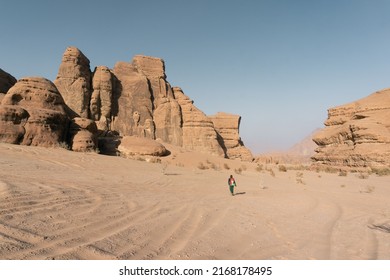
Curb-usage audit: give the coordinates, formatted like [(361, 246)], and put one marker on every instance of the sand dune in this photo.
[(57, 204)]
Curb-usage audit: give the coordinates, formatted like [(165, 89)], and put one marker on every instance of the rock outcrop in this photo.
[(167, 114), (74, 82), (198, 130), (227, 127), (357, 135), (133, 108), (83, 133), (132, 99), (101, 99), (133, 146), (6, 81), (33, 113)]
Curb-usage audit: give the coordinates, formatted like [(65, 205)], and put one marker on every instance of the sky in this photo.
[(278, 64)]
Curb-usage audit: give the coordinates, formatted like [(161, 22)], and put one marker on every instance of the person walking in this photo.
[(232, 184)]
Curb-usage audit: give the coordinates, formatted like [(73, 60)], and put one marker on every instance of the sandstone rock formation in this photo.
[(132, 146), (101, 99), (198, 130), (33, 113), (74, 82), (6, 81), (132, 105), (83, 134), (228, 126), (357, 135), (132, 99), (167, 112)]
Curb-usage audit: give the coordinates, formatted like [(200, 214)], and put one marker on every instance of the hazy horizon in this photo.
[(278, 64)]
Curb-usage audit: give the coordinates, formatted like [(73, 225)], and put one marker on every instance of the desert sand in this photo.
[(58, 204)]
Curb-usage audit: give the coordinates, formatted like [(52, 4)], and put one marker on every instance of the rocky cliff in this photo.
[(227, 127), (357, 135), (132, 99)]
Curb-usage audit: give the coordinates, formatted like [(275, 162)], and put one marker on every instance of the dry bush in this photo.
[(329, 169), (201, 166), (238, 171), (226, 166), (363, 175), (343, 173), (63, 145), (282, 168), (154, 160), (368, 189), (299, 178), (381, 171), (271, 171), (214, 166), (259, 168)]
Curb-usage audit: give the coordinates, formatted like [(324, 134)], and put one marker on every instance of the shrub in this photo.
[(201, 166), (343, 173), (363, 175), (226, 166), (381, 171), (259, 168), (282, 168), (238, 171), (213, 166)]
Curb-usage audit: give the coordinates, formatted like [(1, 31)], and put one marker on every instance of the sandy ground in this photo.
[(57, 204)]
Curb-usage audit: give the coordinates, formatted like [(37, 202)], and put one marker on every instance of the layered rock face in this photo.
[(228, 126), (132, 99), (74, 82), (198, 130), (167, 114), (133, 108), (101, 99), (33, 113), (357, 135)]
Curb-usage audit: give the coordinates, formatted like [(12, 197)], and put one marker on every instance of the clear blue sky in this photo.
[(279, 64)]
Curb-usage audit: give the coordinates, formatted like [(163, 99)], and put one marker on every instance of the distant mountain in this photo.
[(300, 153), (305, 147)]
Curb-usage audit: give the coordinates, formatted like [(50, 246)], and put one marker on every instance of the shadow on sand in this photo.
[(240, 193)]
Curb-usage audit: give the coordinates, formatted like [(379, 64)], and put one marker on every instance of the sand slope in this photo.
[(57, 204)]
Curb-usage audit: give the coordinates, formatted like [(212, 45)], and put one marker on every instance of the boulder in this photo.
[(227, 127), (357, 135), (74, 82), (33, 113), (83, 133), (132, 146)]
